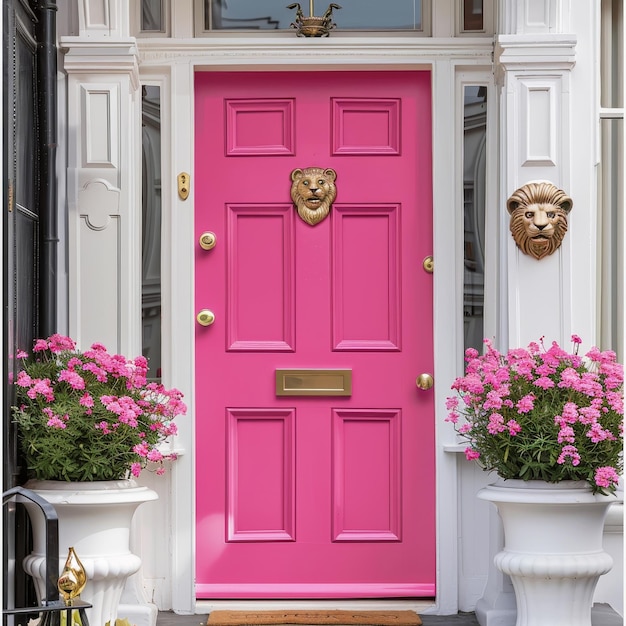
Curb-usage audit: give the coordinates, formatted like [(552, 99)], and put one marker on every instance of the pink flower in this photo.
[(606, 477), (154, 455), (576, 339), (135, 469), (104, 427), (496, 424), (40, 345), (471, 353), (452, 403), (160, 471), (494, 401), (86, 400), (526, 404), (514, 428), (74, 380), (471, 454), (452, 417), (544, 383), (23, 379), (566, 434), (73, 363), (571, 452), (570, 413), (60, 343), (142, 449), (596, 433), (22, 355), (41, 387), (56, 422)]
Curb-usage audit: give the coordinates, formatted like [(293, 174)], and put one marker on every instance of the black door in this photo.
[(29, 77)]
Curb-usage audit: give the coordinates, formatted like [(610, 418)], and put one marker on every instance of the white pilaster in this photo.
[(104, 199), (535, 145)]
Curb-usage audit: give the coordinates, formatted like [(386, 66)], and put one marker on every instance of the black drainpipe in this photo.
[(47, 115)]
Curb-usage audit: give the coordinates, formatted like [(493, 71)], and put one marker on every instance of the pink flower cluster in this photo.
[(542, 413), (104, 401)]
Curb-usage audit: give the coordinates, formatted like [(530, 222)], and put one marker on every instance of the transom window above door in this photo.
[(274, 14), (152, 18)]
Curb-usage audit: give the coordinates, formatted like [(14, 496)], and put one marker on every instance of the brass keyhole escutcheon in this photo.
[(207, 240), (205, 317), (424, 381), (183, 185), (429, 264)]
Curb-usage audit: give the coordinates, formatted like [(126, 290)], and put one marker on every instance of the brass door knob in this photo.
[(207, 240), (424, 381), (205, 317)]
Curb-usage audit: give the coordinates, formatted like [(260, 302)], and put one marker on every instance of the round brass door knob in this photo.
[(205, 317), (424, 381), (207, 240)]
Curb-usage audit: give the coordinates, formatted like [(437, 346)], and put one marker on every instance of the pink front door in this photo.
[(301, 492)]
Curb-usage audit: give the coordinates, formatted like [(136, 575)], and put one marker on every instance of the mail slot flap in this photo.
[(313, 382)]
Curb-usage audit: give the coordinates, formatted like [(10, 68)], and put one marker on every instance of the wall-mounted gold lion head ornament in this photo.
[(313, 192), (539, 218)]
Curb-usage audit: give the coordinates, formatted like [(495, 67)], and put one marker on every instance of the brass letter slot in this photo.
[(313, 382)]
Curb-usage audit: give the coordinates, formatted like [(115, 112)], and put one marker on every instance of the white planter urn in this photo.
[(94, 519), (552, 548)]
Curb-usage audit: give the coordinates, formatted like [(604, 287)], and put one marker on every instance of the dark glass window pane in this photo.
[(612, 53), (274, 14), (474, 181), (472, 15), (151, 230), (152, 16)]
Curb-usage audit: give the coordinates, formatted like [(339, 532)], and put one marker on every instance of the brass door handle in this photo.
[(207, 240), (205, 317), (424, 381)]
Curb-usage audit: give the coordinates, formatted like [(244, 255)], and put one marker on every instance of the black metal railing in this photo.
[(51, 611)]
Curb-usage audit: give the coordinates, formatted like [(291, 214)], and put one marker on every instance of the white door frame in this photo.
[(173, 64)]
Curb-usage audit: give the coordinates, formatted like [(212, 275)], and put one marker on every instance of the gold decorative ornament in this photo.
[(72, 579), (539, 217), (429, 264), (313, 26), (313, 192)]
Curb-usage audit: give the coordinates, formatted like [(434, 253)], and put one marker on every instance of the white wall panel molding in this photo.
[(103, 194), (534, 16), (100, 112), (535, 73), (539, 124), (98, 203), (104, 18), (306, 52)]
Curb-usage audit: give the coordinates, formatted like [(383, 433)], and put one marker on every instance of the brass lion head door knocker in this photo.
[(539, 218), (313, 192)]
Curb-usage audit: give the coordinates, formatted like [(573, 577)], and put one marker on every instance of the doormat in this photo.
[(314, 618)]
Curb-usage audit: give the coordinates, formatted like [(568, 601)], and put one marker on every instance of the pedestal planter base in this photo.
[(552, 548), (94, 519)]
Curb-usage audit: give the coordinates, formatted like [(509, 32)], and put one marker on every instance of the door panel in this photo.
[(321, 494)]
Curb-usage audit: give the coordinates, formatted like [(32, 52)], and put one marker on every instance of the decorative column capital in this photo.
[(101, 56), (535, 52)]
